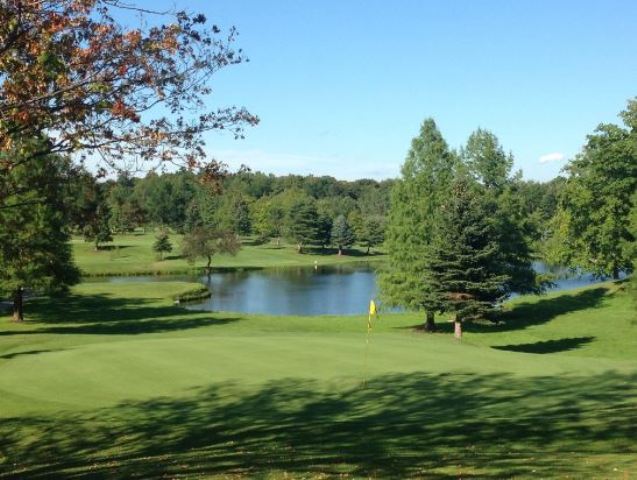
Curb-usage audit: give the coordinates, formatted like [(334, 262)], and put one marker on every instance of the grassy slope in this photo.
[(133, 254), (116, 381)]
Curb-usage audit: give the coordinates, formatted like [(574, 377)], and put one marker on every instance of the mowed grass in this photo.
[(133, 255), (117, 382)]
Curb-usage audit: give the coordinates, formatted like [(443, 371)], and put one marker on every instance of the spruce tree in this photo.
[(162, 244), (465, 263), (342, 234), (415, 200)]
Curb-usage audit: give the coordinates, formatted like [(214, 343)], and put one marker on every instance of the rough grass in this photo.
[(133, 255), (117, 382)]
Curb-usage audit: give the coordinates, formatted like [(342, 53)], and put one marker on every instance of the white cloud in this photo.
[(552, 157), (300, 164)]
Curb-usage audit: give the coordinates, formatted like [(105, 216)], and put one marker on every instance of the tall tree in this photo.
[(35, 253), (342, 234), (598, 198), (415, 203), (465, 263)]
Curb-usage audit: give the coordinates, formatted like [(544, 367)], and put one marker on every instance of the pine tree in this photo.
[(35, 250), (162, 244), (302, 223), (415, 200), (342, 234), (465, 264)]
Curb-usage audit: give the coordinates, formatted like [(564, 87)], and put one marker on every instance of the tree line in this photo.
[(309, 211)]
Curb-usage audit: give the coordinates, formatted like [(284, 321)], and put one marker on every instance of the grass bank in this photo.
[(133, 255), (117, 382)]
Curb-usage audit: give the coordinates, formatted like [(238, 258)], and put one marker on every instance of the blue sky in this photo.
[(341, 87)]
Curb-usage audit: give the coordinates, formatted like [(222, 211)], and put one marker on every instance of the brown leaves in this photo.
[(67, 66)]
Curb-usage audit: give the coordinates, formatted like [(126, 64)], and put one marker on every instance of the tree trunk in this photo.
[(615, 273), (340, 251), (299, 248), (367, 253), (457, 328), (278, 241), (430, 322), (18, 305), (208, 266)]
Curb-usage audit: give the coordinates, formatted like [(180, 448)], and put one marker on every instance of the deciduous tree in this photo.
[(71, 72), (206, 243), (598, 198)]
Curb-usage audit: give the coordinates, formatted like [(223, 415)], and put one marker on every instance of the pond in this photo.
[(335, 290)]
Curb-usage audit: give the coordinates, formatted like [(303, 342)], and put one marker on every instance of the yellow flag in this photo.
[(372, 307)]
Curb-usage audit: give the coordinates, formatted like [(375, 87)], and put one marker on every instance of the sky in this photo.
[(341, 87)]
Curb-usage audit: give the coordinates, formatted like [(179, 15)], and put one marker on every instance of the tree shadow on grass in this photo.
[(399, 426), (102, 314), (526, 314), (547, 346), (9, 356)]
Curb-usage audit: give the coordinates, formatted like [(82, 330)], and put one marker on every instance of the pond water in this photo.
[(337, 290)]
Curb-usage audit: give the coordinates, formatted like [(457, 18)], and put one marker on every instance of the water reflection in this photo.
[(337, 290)]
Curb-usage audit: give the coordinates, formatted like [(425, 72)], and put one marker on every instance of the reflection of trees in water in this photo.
[(292, 290)]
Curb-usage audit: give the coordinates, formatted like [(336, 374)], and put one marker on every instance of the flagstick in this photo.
[(369, 325)]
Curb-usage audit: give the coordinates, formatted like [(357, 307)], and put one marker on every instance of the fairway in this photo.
[(116, 382), (133, 255)]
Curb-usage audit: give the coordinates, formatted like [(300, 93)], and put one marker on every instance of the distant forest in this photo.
[(264, 205)]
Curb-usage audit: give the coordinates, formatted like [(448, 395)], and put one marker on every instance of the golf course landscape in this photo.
[(115, 381), (318, 240)]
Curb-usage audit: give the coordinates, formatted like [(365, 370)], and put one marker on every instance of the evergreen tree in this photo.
[(465, 263), (302, 224), (486, 161), (372, 232), (342, 234), (162, 244), (35, 253), (415, 200)]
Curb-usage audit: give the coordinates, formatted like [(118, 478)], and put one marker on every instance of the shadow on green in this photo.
[(102, 314), (398, 426), (547, 346)]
